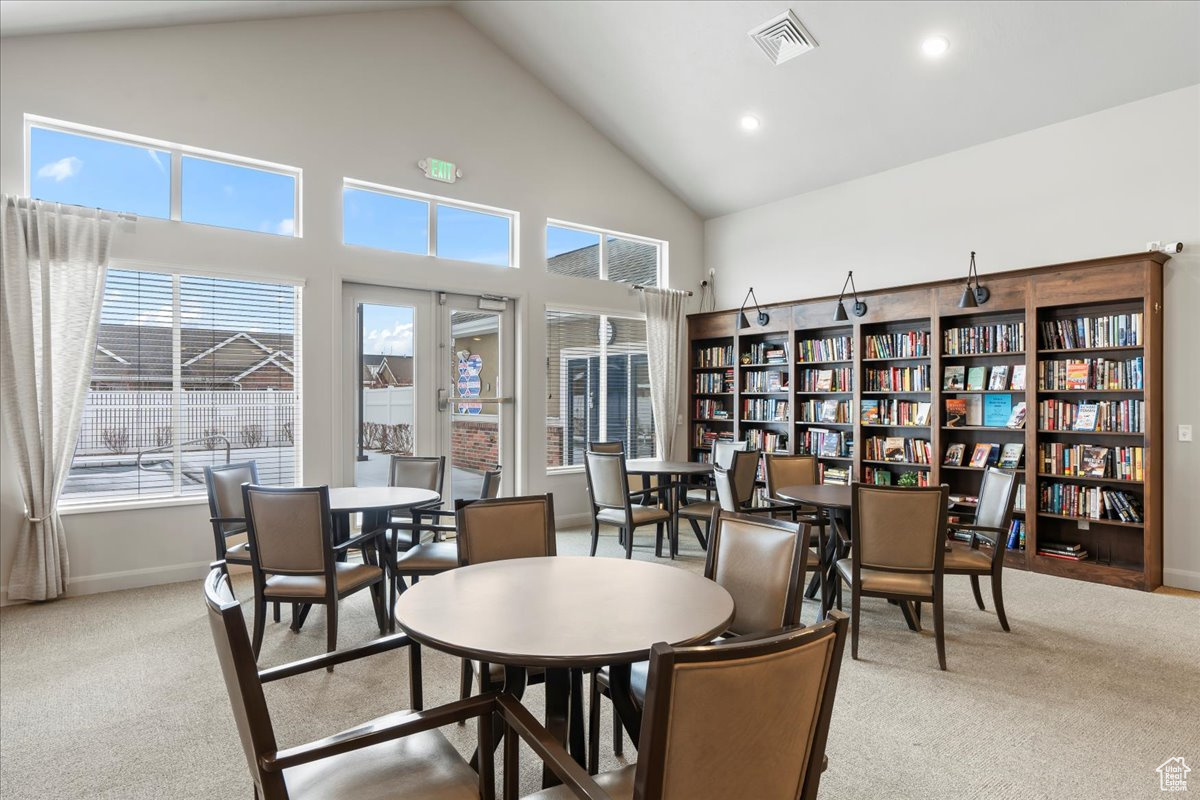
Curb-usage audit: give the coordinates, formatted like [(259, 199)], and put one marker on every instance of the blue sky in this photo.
[(387, 330)]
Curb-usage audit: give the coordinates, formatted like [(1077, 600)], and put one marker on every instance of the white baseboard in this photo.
[(573, 520), (136, 578), (1182, 579)]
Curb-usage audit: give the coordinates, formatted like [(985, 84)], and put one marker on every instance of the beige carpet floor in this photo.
[(118, 695)]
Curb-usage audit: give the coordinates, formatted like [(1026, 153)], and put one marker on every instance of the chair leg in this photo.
[(618, 733), (593, 754), (855, 607), (998, 599), (595, 536), (939, 632), (464, 681), (628, 542), (275, 611), (377, 590), (331, 622), (699, 534), (260, 619), (658, 539), (813, 584), (978, 596)]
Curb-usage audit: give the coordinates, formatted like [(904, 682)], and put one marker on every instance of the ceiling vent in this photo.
[(783, 38)]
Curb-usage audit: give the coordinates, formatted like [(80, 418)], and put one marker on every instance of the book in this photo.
[(999, 378), (1010, 455), (954, 454), (824, 380), (974, 410), (993, 454), (1077, 375), (954, 379), (831, 445), (1017, 418), (956, 412), (893, 448), (923, 413), (1086, 419), (829, 411), (870, 412), (1095, 462), (979, 457), (975, 377), (1018, 378), (996, 410)]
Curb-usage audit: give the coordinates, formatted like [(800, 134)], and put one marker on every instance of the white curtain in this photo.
[(51, 287), (664, 348)]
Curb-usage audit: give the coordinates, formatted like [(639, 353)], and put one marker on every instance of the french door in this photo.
[(428, 373)]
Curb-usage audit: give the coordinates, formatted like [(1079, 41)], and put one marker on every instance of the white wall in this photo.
[(362, 96), (1099, 185)]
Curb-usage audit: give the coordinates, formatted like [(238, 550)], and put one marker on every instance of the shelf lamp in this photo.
[(744, 323), (972, 298), (860, 308)]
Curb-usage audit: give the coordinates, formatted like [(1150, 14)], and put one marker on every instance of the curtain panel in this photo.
[(664, 349)]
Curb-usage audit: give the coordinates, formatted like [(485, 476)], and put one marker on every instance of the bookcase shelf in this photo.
[(1028, 312)]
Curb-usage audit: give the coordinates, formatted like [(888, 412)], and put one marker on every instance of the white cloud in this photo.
[(156, 157), (60, 170), (286, 227), (397, 341)]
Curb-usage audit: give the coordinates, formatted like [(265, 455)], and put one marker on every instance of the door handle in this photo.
[(444, 400)]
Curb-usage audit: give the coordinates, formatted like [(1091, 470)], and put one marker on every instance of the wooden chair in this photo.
[(742, 469), (897, 551), (225, 509), (745, 718), (497, 530), (761, 562), (612, 503), (782, 470), (294, 559), (993, 518), (722, 456), (414, 472)]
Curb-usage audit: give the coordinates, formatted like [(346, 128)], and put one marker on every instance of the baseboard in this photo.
[(1182, 579), (136, 578), (581, 519)]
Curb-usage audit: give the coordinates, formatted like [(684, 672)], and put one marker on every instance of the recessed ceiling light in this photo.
[(750, 122), (935, 46)]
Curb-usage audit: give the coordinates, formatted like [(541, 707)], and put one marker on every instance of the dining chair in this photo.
[(643, 485), (497, 530), (294, 559), (612, 502), (761, 562), (414, 472), (742, 470), (782, 470), (993, 518), (746, 717), (227, 513), (722, 456), (897, 551)]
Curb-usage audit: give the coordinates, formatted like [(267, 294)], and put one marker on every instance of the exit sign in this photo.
[(438, 170)]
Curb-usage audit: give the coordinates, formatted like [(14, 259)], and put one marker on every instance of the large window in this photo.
[(189, 371), (119, 172), (599, 386), (425, 225), (581, 252)]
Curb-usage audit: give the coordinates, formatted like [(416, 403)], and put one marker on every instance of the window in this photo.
[(425, 225), (599, 386), (90, 167), (580, 252), (189, 371)]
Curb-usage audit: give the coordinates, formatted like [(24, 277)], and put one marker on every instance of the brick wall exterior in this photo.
[(554, 445), (474, 445)]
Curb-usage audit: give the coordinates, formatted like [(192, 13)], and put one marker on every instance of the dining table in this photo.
[(565, 615), (672, 477)]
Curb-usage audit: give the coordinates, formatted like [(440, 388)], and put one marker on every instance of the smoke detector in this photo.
[(783, 38)]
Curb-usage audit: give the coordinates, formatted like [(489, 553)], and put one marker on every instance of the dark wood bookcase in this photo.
[(1119, 552)]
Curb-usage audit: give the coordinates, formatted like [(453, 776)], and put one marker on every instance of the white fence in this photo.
[(391, 406), (129, 422)]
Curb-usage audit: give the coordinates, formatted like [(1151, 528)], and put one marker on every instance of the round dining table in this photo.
[(565, 614), (671, 475)]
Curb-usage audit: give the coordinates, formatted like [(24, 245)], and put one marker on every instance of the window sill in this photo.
[(551, 471), (130, 505)]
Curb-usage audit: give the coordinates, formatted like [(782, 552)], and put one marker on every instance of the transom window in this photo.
[(87, 166), (387, 218), (581, 252)]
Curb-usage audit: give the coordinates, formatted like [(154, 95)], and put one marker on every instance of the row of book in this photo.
[(824, 411), (703, 436), (825, 443), (714, 382), (767, 441), (833, 475), (834, 348), (1122, 416), (894, 412), (1001, 378), (988, 410), (1067, 552), (765, 409), (1091, 461), (1016, 535), (1092, 502), (825, 380), (766, 353), (885, 477), (1082, 374), (985, 454), (897, 379), (710, 409), (721, 356), (898, 449), (765, 382), (978, 339), (1111, 330), (910, 344)]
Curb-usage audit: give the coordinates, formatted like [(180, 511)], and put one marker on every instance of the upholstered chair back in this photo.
[(513, 527), (760, 562), (290, 528), (899, 528)]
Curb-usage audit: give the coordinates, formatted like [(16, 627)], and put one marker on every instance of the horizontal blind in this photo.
[(598, 386), (188, 372)]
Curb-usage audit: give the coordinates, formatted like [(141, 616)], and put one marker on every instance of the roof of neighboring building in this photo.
[(628, 261), (142, 354)]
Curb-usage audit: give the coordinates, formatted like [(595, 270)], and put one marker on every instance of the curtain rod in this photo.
[(642, 288), (124, 216)]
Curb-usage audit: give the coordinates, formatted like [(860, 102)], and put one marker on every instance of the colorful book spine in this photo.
[(981, 339), (910, 344), (1091, 374), (1113, 330), (838, 348), (897, 379)]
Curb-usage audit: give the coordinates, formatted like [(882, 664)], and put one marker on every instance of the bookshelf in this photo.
[(815, 401)]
